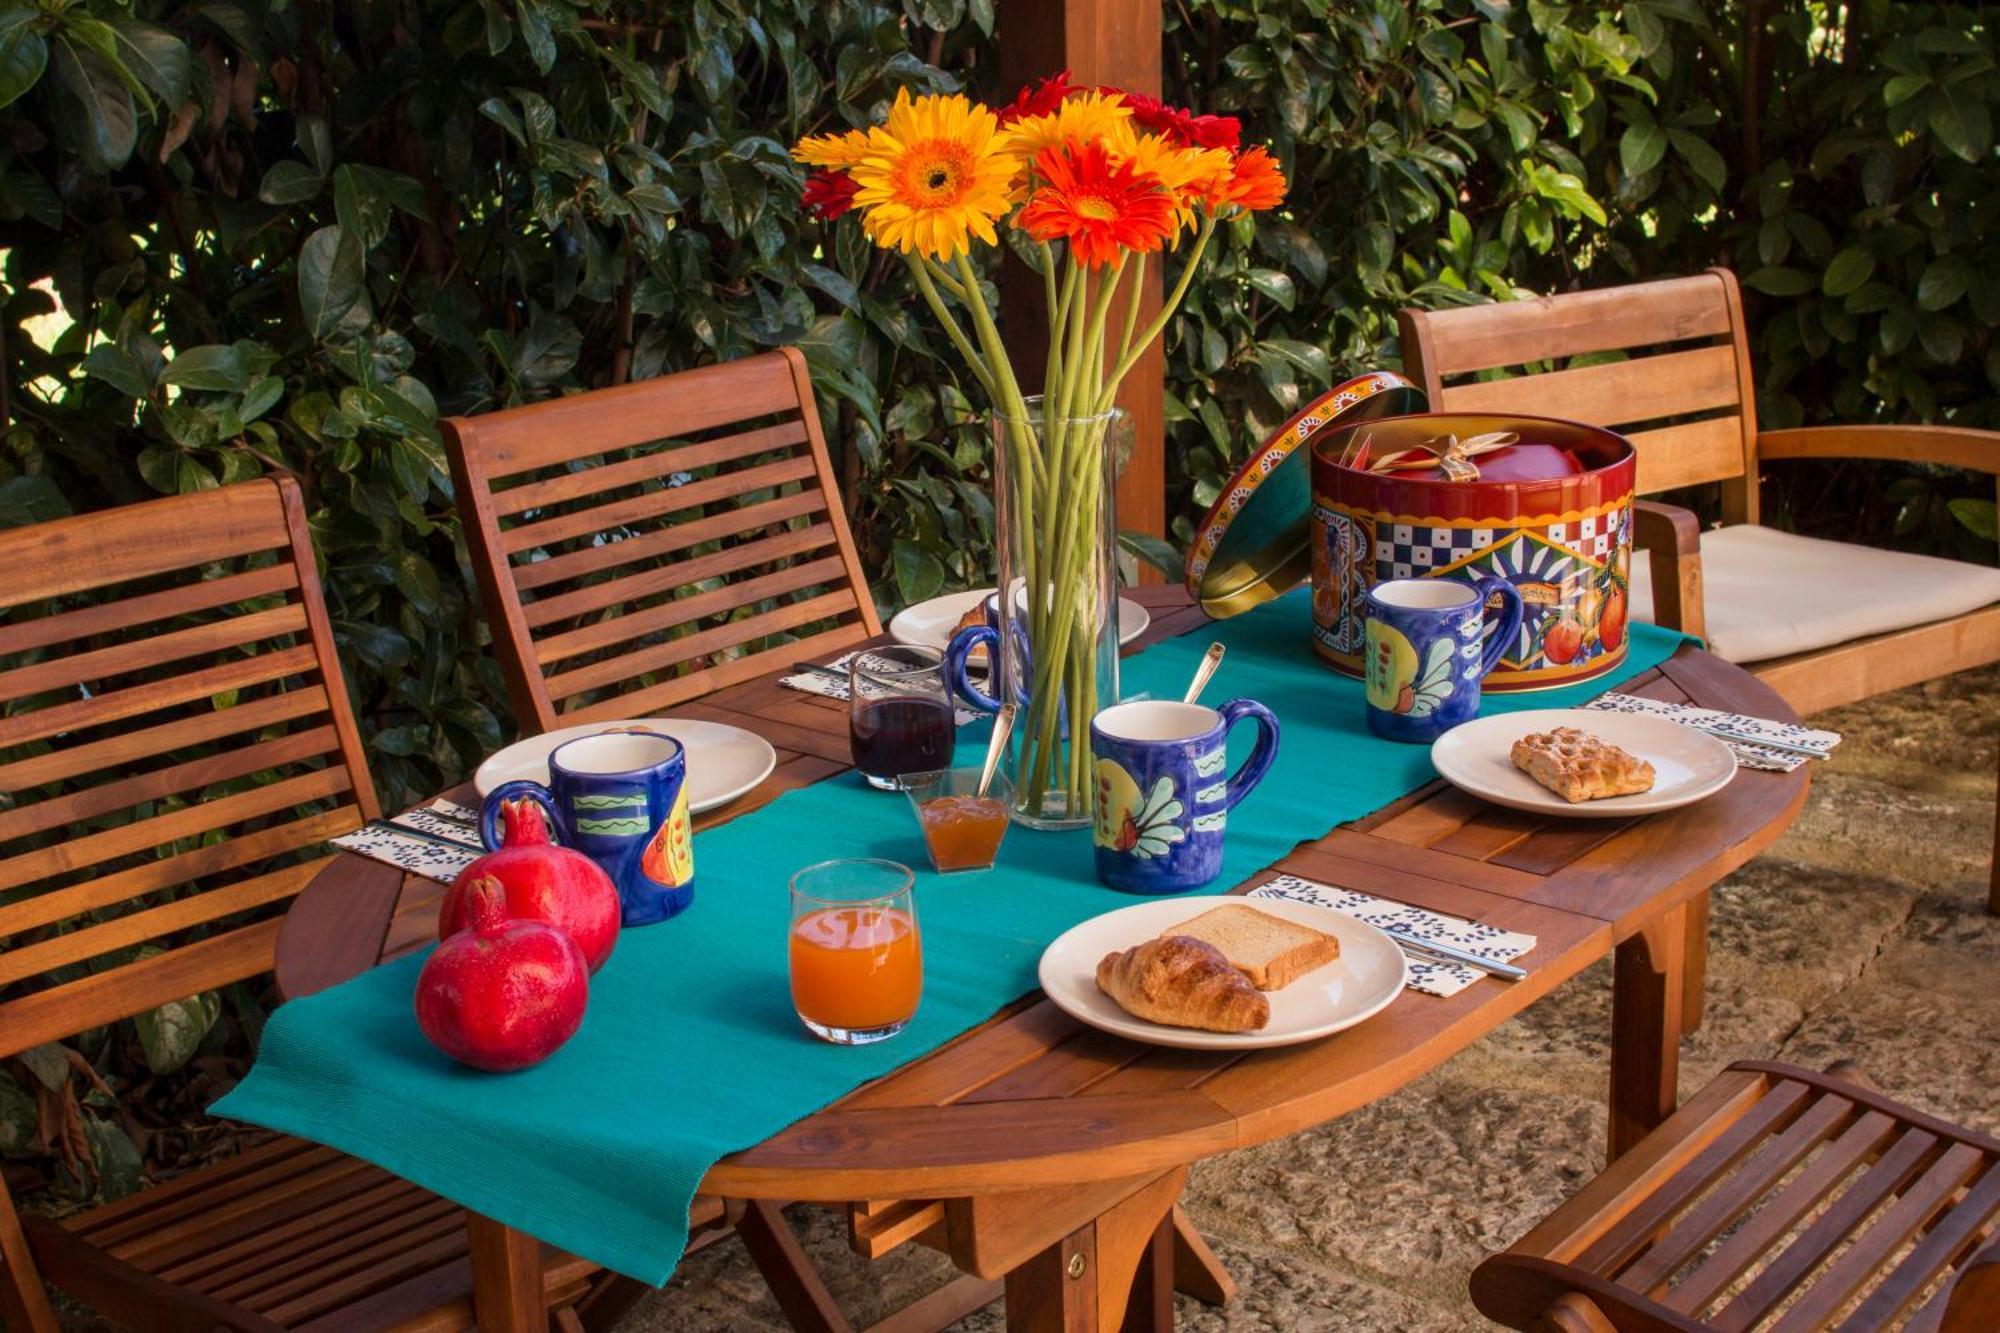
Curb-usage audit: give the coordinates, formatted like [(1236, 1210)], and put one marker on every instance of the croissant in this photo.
[(1184, 983)]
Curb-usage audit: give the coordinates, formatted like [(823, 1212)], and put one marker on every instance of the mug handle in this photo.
[(1510, 618), (520, 788), (955, 666), (1245, 779)]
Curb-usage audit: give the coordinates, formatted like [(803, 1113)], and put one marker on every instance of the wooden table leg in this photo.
[(1083, 1283), (1647, 995), (23, 1303), (1197, 1271), (794, 1282), (1694, 992), (1993, 871), (507, 1295)]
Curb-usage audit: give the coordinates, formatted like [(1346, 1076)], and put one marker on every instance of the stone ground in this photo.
[(1862, 934)]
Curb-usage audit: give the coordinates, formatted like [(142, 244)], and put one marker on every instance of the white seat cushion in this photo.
[(1769, 594)]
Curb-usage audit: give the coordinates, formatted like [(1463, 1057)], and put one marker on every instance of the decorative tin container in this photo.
[(1252, 543), (1549, 511)]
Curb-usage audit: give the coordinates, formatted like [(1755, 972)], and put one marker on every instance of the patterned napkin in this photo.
[(1743, 731), (1431, 976), (436, 840), (812, 682)]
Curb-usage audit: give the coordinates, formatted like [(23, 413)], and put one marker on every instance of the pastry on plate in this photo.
[(1183, 983), (1270, 950), (1578, 766), (974, 618)]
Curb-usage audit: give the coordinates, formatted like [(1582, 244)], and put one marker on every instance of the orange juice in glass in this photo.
[(857, 959)]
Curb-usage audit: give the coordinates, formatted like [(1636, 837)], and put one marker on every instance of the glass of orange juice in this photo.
[(857, 960)]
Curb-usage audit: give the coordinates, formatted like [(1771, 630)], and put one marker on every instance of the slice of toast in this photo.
[(1270, 950)]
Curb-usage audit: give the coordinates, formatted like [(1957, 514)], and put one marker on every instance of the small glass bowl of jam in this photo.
[(962, 829)]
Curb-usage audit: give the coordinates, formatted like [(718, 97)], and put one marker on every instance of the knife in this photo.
[(1456, 955)]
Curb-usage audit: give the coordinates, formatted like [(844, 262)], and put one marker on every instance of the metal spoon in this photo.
[(1003, 723), (1210, 660)]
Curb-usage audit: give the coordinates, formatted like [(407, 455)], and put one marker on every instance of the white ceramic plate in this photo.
[(723, 761), (1368, 974), (930, 624), (1687, 764)]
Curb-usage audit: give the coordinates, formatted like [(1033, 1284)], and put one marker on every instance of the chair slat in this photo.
[(186, 822), (675, 651), (1614, 393), (177, 780), (275, 1227), (115, 546), (647, 699), (179, 1248), (1791, 1266), (154, 695), (683, 573), (439, 1245), (342, 1253), (132, 746), (652, 504), (664, 541), (1707, 1219), (679, 611), (1800, 1195), (569, 486), (153, 1211), (79, 946), (1690, 453), (1850, 1272), (154, 650), (107, 617), (53, 905), (1946, 1242), (1512, 333), (1776, 1109)]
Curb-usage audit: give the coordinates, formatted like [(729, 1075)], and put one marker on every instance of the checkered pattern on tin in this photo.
[(1403, 551)]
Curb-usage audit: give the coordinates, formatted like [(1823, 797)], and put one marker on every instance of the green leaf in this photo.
[(24, 54), (289, 182), (1976, 517), (119, 1169), (919, 574), (97, 105), (1947, 278), (30, 499), (20, 1121), (1849, 269), (170, 1034), (1701, 158), (1641, 148), (1274, 284), (1779, 281), (157, 57), (1161, 555), (212, 366), (116, 367), (330, 279), (48, 1064), (1962, 125)]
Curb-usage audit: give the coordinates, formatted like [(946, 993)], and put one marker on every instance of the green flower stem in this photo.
[(1159, 324), (920, 270), (1132, 300)]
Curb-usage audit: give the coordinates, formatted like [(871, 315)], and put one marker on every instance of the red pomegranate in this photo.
[(1563, 641), (504, 993), (544, 882)]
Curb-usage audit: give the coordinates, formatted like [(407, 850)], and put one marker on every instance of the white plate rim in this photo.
[(483, 781), (1133, 617), (1542, 801), (1121, 1024)]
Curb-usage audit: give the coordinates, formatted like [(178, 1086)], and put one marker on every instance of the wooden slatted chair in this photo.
[(639, 546), (1778, 1199), (167, 677), (1824, 623)]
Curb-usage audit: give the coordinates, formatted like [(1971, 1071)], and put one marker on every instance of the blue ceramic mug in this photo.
[(958, 654), (1163, 794), (621, 799), (1423, 656)]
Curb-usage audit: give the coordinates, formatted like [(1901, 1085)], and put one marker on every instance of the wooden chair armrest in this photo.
[(1671, 538), (1954, 446), (1973, 1304), (1520, 1291)]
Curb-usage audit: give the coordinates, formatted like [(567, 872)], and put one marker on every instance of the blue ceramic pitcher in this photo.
[(1424, 655), (621, 799), (1163, 790)]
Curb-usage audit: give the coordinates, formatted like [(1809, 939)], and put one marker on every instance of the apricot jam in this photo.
[(963, 832)]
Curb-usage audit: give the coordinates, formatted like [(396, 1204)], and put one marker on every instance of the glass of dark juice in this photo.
[(899, 713)]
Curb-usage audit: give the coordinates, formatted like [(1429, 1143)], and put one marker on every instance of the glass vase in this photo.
[(1057, 539)]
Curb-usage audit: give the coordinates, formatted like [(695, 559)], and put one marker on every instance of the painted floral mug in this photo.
[(1163, 793), (1423, 653)]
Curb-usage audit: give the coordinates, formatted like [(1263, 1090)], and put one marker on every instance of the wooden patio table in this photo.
[(1046, 1158)]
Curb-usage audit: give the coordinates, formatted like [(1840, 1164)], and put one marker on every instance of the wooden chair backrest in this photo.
[(173, 723), (1682, 392), (638, 546)]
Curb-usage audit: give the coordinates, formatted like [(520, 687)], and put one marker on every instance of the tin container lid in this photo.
[(1255, 541)]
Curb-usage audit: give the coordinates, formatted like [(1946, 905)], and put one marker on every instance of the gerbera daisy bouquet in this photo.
[(1098, 181)]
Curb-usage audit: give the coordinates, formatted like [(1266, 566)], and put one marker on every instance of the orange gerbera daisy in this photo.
[(934, 177), (1098, 207), (1255, 182)]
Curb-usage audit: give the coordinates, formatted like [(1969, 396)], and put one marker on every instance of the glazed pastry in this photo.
[(1183, 983), (1578, 766), (974, 617), (1270, 950)]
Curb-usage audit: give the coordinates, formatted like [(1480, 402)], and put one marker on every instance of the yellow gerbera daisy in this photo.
[(840, 152), (933, 177), (1082, 118), (1184, 171)]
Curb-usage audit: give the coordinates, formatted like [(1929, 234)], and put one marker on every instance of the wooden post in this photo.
[(1099, 42)]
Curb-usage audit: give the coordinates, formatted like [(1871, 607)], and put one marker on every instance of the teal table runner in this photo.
[(690, 1049)]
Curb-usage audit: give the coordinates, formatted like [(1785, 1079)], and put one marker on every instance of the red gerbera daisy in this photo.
[(1038, 99), (1182, 125), (1256, 183), (828, 194), (1100, 209)]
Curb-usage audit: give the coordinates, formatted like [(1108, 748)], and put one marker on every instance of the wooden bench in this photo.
[(1824, 623)]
